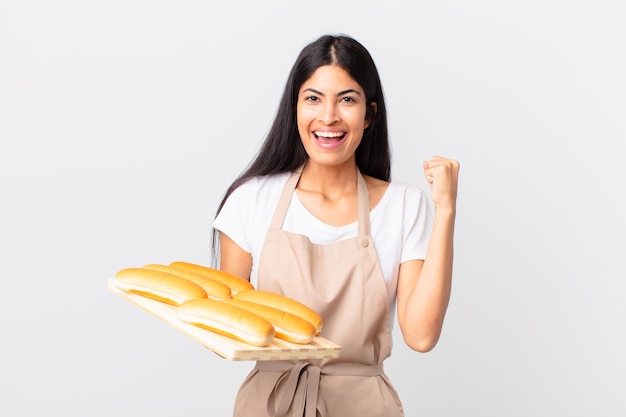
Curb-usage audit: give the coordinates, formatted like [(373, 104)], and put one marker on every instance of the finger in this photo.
[(434, 161), (450, 164)]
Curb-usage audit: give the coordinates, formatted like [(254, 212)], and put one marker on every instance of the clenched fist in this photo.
[(442, 174)]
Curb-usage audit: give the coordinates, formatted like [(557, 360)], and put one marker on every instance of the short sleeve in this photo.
[(233, 218)]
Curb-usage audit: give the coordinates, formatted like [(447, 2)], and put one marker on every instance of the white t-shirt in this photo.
[(400, 224)]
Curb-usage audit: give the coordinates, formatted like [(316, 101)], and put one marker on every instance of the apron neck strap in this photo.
[(290, 186), (364, 206), (285, 199)]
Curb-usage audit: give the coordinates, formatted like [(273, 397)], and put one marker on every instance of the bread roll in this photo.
[(235, 283), (158, 285), (227, 320), (214, 289), (287, 326), (283, 303)]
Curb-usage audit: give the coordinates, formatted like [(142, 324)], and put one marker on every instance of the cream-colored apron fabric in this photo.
[(344, 283)]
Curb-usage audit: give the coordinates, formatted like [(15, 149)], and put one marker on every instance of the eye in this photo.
[(311, 99), (348, 99)]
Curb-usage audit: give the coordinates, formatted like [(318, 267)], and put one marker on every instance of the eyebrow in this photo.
[(342, 92)]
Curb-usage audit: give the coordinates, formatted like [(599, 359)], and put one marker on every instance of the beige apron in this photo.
[(344, 283)]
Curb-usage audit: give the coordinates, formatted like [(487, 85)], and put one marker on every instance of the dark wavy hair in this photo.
[(282, 150)]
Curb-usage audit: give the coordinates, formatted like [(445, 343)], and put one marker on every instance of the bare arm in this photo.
[(233, 259), (424, 286)]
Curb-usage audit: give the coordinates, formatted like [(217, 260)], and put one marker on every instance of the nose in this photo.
[(328, 113)]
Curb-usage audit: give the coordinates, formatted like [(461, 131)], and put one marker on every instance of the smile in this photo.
[(329, 137), (329, 134), (329, 140)]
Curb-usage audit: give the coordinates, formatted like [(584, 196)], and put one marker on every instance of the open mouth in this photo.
[(329, 137)]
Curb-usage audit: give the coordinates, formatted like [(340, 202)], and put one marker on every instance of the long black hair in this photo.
[(282, 150)]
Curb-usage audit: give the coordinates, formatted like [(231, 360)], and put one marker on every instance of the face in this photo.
[(331, 116)]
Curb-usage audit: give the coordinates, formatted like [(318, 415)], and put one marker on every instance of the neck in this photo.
[(329, 180)]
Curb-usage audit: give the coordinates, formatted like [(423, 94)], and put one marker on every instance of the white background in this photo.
[(122, 123)]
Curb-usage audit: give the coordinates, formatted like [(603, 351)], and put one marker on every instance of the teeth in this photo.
[(329, 134)]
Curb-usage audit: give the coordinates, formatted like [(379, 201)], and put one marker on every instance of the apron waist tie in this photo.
[(302, 381)]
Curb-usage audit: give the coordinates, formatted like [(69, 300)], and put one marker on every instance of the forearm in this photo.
[(425, 297)]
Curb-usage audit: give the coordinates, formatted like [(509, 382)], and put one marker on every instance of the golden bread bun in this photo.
[(235, 283), (283, 303), (227, 320), (214, 289), (287, 326), (158, 285)]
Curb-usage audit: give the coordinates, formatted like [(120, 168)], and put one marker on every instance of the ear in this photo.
[(370, 112)]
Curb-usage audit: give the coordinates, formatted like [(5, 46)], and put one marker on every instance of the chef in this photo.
[(316, 217)]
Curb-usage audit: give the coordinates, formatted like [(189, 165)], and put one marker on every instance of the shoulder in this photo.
[(379, 187), (407, 190), (247, 210), (394, 192), (393, 195), (406, 201), (262, 184), (258, 196)]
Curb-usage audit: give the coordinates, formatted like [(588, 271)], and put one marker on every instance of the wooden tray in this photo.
[(226, 347)]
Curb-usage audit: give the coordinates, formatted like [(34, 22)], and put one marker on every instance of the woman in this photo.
[(315, 217)]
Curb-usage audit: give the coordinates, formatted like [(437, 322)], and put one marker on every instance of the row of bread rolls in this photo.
[(223, 303)]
